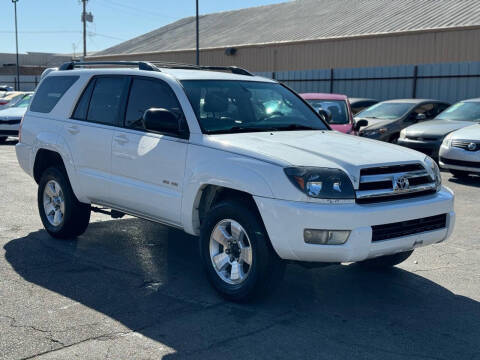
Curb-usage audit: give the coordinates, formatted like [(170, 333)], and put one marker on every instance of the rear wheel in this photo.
[(459, 173), (62, 215), (385, 262), (238, 258)]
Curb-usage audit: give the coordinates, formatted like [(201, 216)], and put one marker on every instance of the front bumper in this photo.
[(9, 128), (459, 159), (429, 148), (285, 222)]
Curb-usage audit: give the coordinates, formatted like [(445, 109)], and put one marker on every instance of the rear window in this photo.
[(50, 92)]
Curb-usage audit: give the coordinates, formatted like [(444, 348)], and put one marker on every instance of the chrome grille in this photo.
[(394, 182), (466, 145)]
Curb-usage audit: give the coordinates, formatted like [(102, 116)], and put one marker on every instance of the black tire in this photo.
[(385, 262), (76, 214), (3, 139), (266, 269), (459, 173)]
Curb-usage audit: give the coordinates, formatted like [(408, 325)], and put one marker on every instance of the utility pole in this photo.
[(198, 40), (84, 20), (86, 17), (17, 82)]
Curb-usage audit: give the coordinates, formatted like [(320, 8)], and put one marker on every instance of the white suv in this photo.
[(240, 160)]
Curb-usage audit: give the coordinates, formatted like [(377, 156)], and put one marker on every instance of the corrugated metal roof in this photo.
[(305, 20)]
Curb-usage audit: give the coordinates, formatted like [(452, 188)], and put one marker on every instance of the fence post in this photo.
[(273, 75), (331, 80), (415, 76)]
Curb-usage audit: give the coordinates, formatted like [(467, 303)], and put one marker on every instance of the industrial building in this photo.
[(318, 34)]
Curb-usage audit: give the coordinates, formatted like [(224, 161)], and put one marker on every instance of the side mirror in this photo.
[(161, 121), (421, 117), (359, 124), (325, 115)]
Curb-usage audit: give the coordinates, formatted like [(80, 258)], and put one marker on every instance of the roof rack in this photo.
[(174, 65), (142, 65), (154, 66)]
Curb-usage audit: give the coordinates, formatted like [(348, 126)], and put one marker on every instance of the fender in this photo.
[(233, 172), (53, 141)]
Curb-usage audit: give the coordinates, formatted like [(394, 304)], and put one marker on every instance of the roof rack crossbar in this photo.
[(174, 65), (142, 65)]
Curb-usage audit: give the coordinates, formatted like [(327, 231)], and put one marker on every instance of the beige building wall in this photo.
[(416, 47)]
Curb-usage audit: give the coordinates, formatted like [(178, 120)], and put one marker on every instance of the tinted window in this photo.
[(336, 108), (82, 105), (227, 106), (467, 111), (50, 92), (386, 110), (24, 102), (146, 94), (105, 101), (429, 110)]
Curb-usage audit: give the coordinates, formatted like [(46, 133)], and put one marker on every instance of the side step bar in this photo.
[(113, 213)]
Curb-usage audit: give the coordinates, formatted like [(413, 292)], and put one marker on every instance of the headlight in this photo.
[(322, 183), (434, 171), (403, 134), (447, 141), (374, 132)]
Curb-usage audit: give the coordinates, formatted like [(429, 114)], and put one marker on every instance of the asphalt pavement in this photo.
[(133, 289)]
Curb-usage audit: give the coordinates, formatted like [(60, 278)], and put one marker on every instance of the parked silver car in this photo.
[(427, 137), (460, 151), (387, 118)]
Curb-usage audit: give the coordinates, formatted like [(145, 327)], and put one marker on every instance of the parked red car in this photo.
[(336, 106)]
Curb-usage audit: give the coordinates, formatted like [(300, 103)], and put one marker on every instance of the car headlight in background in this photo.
[(374, 132), (332, 185), (434, 171), (447, 141)]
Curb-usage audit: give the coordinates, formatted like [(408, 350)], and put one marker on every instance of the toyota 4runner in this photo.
[(239, 160)]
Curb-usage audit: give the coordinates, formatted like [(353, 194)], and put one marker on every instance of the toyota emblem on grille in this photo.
[(400, 183), (472, 146)]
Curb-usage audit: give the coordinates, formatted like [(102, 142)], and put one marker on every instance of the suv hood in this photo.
[(438, 128), (314, 148)]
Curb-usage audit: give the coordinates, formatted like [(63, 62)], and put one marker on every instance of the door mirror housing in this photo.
[(359, 124), (421, 117), (325, 115), (163, 121)]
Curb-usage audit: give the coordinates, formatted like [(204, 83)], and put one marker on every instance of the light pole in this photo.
[(198, 40), (17, 83)]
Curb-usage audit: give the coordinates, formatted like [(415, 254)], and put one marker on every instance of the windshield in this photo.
[(336, 108), (466, 111), (386, 110), (229, 106), (24, 102)]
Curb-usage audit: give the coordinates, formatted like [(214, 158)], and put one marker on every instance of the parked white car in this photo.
[(460, 151), (239, 160), (10, 118)]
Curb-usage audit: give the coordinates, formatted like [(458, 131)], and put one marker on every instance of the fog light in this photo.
[(325, 237)]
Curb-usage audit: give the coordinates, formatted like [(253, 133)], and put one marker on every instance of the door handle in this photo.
[(73, 130), (121, 139)]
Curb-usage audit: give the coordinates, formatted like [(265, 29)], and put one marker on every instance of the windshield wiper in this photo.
[(240, 129)]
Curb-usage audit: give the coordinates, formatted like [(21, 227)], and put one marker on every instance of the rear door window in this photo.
[(50, 91), (106, 100)]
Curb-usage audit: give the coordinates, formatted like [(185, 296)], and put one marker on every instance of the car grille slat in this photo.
[(463, 144), (409, 227), (377, 183)]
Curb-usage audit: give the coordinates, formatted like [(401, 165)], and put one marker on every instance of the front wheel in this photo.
[(237, 255), (385, 262), (62, 215)]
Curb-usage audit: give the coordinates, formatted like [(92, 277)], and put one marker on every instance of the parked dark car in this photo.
[(358, 104), (427, 137), (387, 118)]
